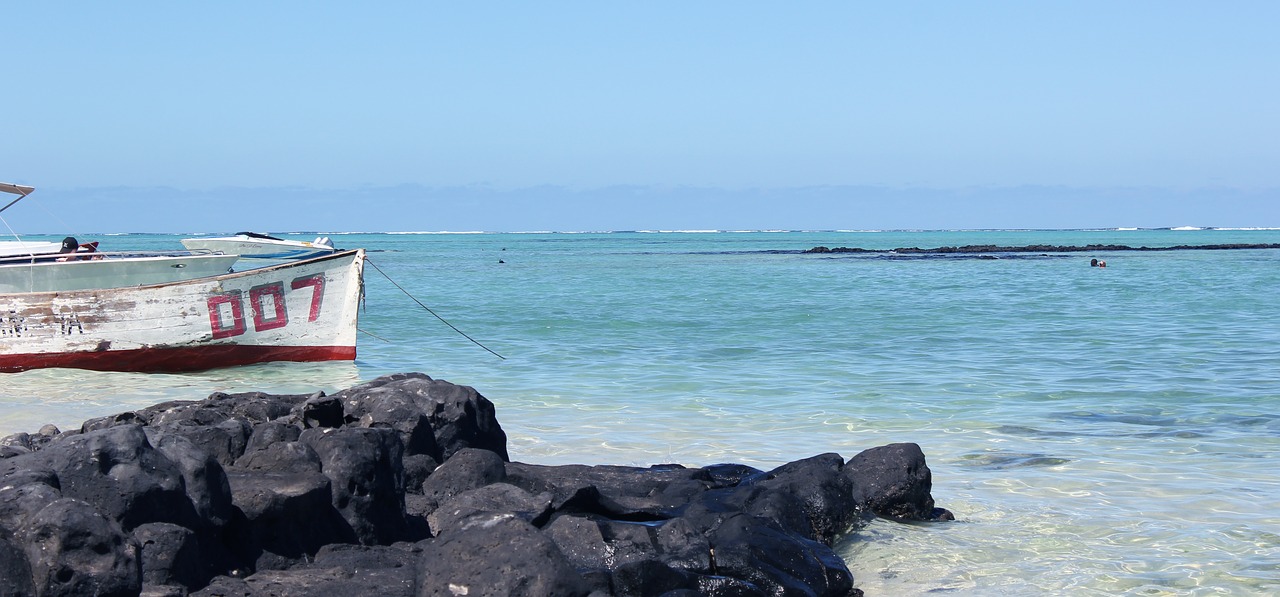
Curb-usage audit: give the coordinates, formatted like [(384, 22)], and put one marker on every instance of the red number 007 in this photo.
[(266, 305)]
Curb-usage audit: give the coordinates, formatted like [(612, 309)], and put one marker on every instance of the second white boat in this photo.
[(251, 245)]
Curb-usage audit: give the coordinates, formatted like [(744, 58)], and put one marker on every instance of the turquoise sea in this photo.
[(1095, 431)]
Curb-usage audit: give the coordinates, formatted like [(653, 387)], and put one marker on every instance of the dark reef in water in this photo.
[(402, 486), (974, 249)]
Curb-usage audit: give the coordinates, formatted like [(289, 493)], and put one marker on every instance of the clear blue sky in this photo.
[(598, 115)]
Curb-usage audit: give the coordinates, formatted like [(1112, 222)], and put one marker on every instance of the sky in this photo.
[(387, 116)]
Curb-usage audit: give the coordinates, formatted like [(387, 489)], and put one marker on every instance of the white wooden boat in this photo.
[(251, 245), (298, 311)]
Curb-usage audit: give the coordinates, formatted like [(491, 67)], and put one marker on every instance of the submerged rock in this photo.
[(403, 486), (974, 249)]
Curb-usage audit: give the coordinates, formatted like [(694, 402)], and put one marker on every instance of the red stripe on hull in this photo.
[(179, 359)]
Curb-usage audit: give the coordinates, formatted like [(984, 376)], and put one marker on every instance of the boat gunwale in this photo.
[(49, 259), (204, 279)]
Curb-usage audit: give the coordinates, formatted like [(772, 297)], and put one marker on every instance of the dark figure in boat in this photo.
[(71, 245)]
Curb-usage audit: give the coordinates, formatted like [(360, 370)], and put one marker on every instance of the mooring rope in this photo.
[(415, 299), (367, 332)]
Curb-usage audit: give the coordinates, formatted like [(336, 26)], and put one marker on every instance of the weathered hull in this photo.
[(301, 311)]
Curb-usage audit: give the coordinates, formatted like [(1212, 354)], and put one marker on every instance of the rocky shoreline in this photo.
[(403, 486)]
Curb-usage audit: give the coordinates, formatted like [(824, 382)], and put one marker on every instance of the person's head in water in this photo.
[(1093, 263)]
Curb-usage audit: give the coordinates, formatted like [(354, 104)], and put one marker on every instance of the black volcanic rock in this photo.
[(895, 483), (203, 478), (368, 479), (322, 411), (621, 492), (337, 570), (15, 570), (403, 486), (281, 457), (434, 417), (453, 513), (758, 552), (814, 494), (496, 554), (118, 471), (468, 469), (171, 556), (265, 434), (73, 549)]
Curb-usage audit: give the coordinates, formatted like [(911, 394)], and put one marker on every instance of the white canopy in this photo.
[(16, 189)]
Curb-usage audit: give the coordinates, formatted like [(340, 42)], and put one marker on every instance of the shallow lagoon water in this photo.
[(1102, 431)]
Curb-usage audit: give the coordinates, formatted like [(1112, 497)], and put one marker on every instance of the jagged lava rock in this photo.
[(434, 417)]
